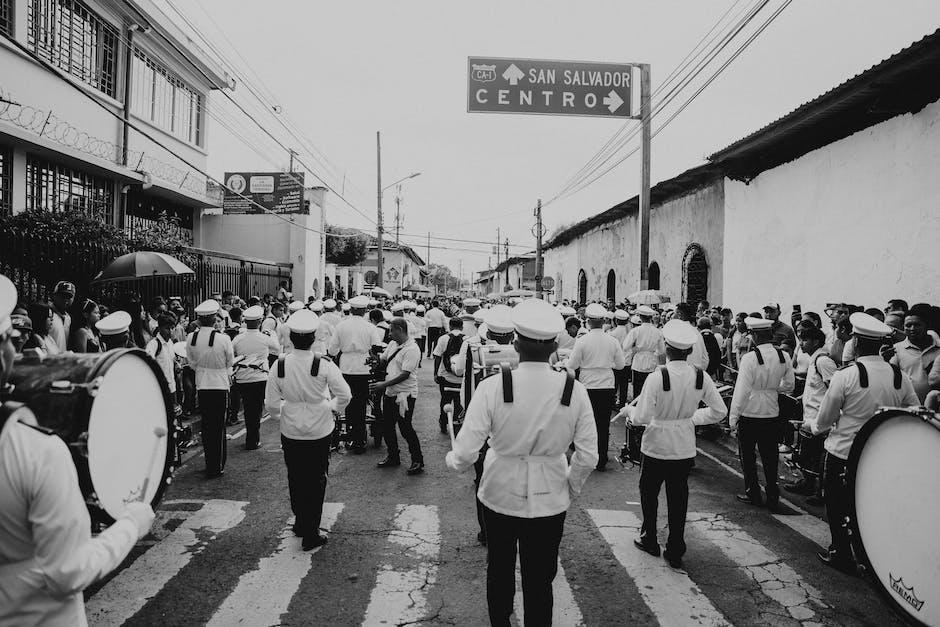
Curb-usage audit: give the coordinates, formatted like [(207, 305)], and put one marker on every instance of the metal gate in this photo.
[(694, 275)]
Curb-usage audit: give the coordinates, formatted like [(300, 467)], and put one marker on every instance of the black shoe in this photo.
[(601, 466), (215, 474), (358, 449), (744, 498), (481, 538), (652, 549), (232, 421), (416, 468), (675, 562), (312, 542), (254, 446), (389, 462), (443, 428), (841, 564), (815, 500), (802, 487)]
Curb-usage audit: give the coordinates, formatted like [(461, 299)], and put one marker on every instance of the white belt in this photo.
[(682, 422)]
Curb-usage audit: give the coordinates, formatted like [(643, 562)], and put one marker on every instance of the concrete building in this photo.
[(402, 267), (64, 145), (836, 201), (512, 274)]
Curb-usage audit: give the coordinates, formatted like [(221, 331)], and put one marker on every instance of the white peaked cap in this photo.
[(207, 308), (680, 334), (535, 319), (595, 311), (498, 319), (303, 321), (116, 323)]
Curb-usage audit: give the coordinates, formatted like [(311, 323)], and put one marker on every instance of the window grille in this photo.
[(6, 18), (68, 35), (6, 184), (164, 99), (55, 187)]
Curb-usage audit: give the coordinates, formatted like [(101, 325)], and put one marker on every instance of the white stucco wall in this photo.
[(697, 217), (855, 221)]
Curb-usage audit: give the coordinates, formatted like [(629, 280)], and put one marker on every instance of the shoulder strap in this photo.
[(280, 366), (699, 378), (212, 337), (897, 376), (667, 384), (7, 409), (780, 355), (760, 358), (569, 388), (862, 374), (507, 382), (195, 337), (315, 366), (156, 353)]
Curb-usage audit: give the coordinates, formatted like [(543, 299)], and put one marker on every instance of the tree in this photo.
[(63, 225), (441, 276), (346, 251)]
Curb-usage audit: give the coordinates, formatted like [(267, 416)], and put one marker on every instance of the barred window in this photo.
[(56, 187), (6, 18), (68, 35), (164, 99), (6, 186)]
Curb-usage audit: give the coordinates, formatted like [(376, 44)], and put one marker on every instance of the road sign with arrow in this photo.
[(544, 87)]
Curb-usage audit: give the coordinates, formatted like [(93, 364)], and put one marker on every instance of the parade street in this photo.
[(403, 551)]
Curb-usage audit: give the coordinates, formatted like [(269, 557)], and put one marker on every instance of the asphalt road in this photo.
[(403, 550)]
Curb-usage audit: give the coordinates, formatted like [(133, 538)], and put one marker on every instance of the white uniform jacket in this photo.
[(47, 554), (526, 473), (597, 355), (213, 364), (757, 386), (643, 347), (255, 346), (353, 338), (302, 401), (670, 417)]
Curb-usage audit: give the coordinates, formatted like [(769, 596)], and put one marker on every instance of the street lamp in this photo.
[(380, 252), (405, 178)]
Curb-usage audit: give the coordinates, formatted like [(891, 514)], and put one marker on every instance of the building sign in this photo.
[(549, 87), (278, 192)]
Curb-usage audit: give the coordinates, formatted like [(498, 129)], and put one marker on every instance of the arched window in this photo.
[(582, 287), (652, 275), (694, 275), (612, 286)]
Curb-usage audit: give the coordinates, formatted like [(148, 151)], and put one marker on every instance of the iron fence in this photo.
[(36, 263)]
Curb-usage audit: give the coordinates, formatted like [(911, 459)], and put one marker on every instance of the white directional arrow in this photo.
[(613, 101), (513, 74)]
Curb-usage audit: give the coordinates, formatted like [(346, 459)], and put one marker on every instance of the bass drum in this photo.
[(893, 478), (111, 409)]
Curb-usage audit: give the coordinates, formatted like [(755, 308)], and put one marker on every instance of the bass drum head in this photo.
[(894, 481), (124, 453)]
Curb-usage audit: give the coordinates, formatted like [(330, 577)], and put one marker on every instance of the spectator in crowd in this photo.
[(915, 355), (896, 305), (813, 317), (157, 307), (838, 314), (40, 316), (783, 335), (62, 298), (138, 330), (161, 349), (20, 321), (283, 296), (84, 338), (739, 341), (712, 346)]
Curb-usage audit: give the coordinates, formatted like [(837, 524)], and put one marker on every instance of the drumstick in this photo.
[(160, 432), (449, 410)]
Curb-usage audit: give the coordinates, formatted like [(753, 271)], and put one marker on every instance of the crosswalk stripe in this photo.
[(263, 594), (670, 594), (124, 595), (777, 580), (410, 569), (565, 610)]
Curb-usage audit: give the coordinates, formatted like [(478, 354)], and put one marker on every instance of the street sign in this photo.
[(548, 282), (278, 192), (496, 85)]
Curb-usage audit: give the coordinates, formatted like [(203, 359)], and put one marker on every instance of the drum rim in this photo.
[(858, 444), (110, 357)]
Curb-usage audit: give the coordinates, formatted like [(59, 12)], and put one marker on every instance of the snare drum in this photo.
[(894, 500), (107, 407), (490, 356)]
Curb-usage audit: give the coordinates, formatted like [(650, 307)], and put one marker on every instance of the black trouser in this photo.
[(449, 395), (602, 402), (356, 410), (762, 433), (212, 405), (422, 344), (308, 463), (537, 540), (478, 472), (188, 385), (622, 378), (252, 395), (234, 404), (434, 334), (837, 507), (675, 473), (639, 378), (391, 415)]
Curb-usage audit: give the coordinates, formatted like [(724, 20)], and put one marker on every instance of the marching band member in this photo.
[(622, 376), (765, 372), (595, 357), (47, 553), (529, 416), (210, 354), (283, 331), (669, 407), (643, 347), (351, 342), (114, 330), (448, 345), (470, 307), (251, 373), (304, 383), (437, 325), (161, 349), (855, 394)]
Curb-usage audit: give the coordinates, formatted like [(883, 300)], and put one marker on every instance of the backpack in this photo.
[(713, 350), (454, 344)]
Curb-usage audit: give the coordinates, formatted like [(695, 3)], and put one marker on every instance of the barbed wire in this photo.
[(47, 125)]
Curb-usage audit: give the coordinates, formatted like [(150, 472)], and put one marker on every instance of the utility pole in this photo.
[(378, 227), (397, 214), (506, 253), (645, 176), (496, 282), (292, 153), (538, 249)]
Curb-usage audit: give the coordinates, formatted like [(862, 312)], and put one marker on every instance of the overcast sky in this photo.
[(343, 70)]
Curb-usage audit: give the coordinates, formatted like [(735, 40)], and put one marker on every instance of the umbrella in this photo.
[(519, 294), (645, 297), (494, 296), (414, 287), (378, 291), (140, 265)]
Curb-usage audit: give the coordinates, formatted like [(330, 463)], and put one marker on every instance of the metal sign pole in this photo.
[(644, 222)]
